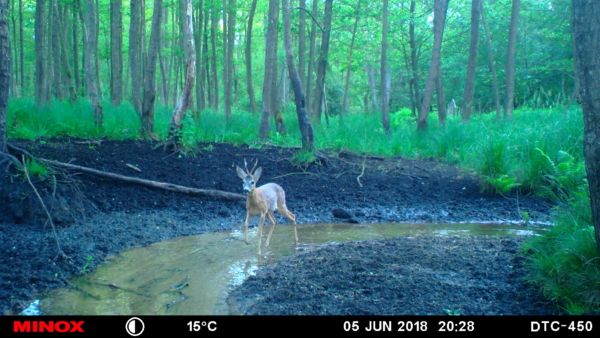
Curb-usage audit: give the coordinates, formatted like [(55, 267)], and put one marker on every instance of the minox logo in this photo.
[(60, 326)]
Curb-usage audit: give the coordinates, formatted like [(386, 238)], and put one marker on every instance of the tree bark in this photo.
[(302, 43), (414, 62), (248, 58), (190, 70), (135, 53), (311, 55), (372, 88), (150, 74), (91, 38), (467, 107), (349, 62), (64, 56), (21, 48), (75, 44), (4, 71), (213, 42), (439, 19), (385, 76), (510, 60), (231, 9), (306, 130), (586, 35), (270, 61), (322, 63), (200, 95), (441, 98), (206, 59), (491, 64), (116, 52), (41, 85)]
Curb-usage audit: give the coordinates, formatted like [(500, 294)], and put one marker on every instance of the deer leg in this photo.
[(288, 214), (272, 219), (261, 222), (246, 227)]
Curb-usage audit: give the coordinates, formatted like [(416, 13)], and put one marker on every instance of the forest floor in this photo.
[(99, 217)]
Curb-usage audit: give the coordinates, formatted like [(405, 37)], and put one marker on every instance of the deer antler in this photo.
[(255, 164)]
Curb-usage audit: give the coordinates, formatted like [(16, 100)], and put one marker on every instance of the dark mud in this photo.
[(423, 275), (116, 216)]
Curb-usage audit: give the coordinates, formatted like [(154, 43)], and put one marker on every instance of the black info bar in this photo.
[(282, 326)]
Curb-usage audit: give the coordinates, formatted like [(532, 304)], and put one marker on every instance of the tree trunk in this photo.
[(91, 38), (57, 83), (4, 71), (491, 64), (441, 99), (200, 97), (467, 107), (322, 63), (302, 42), (414, 62), (213, 42), (75, 43), (64, 57), (231, 9), (349, 63), (41, 85), (372, 88), (135, 53), (311, 55), (439, 19), (385, 76), (206, 59), (586, 35), (150, 74), (21, 48), (14, 51), (116, 56), (183, 102), (248, 57), (270, 61), (306, 130), (510, 60)]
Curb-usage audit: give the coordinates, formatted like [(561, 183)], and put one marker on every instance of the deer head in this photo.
[(249, 177)]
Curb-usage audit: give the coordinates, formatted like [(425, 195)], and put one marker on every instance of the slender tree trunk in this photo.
[(311, 55), (21, 49), (91, 37), (14, 57), (41, 87), (231, 8), (206, 59), (467, 107), (4, 70), (75, 44), (306, 130), (224, 63), (414, 62), (441, 98), (150, 74), (491, 64), (372, 88), (183, 102), (385, 76), (302, 43), (57, 71), (439, 19), (586, 35), (116, 53), (135, 53), (64, 56), (349, 63), (510, 60), (200, 98), (270, 61), (322, 64), (248, 58), (213, 42)]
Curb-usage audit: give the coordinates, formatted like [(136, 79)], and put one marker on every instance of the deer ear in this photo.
[(257, 174), (241, 174)]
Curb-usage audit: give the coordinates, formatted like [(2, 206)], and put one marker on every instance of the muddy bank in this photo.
[(422, 275), (117, 216)]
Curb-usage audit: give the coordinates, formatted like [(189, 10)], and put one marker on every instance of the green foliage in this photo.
[(564, 261), (500, 184), (304, 158), (404, 115), (36, 169)]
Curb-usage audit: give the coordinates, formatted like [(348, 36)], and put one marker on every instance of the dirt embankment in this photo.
[(114, 216)]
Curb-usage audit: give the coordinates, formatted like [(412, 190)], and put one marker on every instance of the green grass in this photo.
[(538, 151)]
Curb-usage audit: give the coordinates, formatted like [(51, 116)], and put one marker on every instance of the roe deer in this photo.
[(263, 201)]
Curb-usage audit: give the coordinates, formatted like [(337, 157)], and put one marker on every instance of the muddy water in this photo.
[(192, 275)]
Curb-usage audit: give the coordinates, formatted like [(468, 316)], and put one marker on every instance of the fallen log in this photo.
[(226, 195)]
